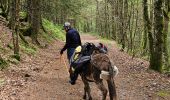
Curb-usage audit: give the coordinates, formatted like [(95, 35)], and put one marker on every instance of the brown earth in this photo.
[(44, 77)]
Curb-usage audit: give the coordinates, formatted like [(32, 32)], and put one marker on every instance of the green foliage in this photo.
[(163, 93), (54, 31), (16, 56), (2, 81), (2, 49), (10, 46), (28, 49), (22, 15), (3, 64)]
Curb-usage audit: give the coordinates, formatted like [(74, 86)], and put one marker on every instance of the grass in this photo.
[(22, 15), (3, 64), (54, 31), (28, 49), (2, 49), (163, 93), (2, 81)]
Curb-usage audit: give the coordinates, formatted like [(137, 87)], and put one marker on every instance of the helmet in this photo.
[(66, 25)]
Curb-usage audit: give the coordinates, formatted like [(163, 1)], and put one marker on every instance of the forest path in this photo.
[(44, 77)]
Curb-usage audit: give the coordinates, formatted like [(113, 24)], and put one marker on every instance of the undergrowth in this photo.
[(28, 49), (163, 93), (3, 63), (54, 31)]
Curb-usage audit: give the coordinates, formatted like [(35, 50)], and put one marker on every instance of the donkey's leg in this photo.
[(103, 89), (86, 89), (112, 89)]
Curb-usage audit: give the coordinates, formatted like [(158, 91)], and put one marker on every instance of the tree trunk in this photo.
[(156, 64), (15, 24), (29, 11), (5, 5), (97, 16), (135, 29), (121, 25), (145, 18), (148, 29), (165, 34), (36, 19), (112, 3)]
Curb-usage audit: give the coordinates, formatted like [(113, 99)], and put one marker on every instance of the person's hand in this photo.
[(61, 52)]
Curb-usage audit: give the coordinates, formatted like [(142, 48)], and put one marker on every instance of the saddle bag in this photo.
[(82, 55)]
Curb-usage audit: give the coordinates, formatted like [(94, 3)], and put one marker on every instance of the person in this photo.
[(73, 40)]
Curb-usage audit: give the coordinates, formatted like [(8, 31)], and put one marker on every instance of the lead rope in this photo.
[(65, 64)]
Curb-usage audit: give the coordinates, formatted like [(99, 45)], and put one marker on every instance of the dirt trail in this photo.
[(44, 77)]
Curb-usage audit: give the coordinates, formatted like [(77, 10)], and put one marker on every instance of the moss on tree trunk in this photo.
[(156, 61)]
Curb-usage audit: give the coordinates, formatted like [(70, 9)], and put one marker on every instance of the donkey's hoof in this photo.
[(84, 97), (90, 98), (72, 82)]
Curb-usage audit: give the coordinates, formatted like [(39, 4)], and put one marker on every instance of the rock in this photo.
[(149, 95), (13, 93), (27, 75), (154, 84)]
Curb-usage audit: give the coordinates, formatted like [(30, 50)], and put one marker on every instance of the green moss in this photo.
[(3, 64), (2, 49), (163, 93), (46, 37), (2, 81), (22, 15), (13, 60), (54, 31), (16, 56), (10, 46), (28, 49)]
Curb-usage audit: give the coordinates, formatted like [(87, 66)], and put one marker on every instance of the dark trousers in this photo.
[(73, 75), (70, 52)]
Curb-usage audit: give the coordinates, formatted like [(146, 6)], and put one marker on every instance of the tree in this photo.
[(5, 6), (146, 24), (165, 33), (15, 24), (156, 61), (35, 20), (112, 3)]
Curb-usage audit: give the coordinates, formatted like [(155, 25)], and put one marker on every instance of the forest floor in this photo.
[(44, 77)]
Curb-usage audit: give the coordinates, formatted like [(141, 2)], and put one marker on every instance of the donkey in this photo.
[(99, 68)]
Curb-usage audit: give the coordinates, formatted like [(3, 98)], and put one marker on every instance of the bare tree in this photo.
[(165, 33), (156, 62), (35, 20), (15, 24)]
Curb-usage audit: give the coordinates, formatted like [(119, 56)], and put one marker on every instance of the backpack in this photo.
[(82, 55)]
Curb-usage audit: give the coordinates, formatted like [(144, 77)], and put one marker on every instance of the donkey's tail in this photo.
[(109, 77), (115, 71), (111, 84), (111, 73), (112, 89)]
